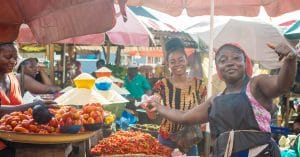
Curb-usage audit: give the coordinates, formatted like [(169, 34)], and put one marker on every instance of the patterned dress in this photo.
[(181, 99)]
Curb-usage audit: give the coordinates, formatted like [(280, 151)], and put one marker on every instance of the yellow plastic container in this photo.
[(84, 83)]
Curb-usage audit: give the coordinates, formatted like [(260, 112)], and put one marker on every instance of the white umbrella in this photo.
[(251, 34)]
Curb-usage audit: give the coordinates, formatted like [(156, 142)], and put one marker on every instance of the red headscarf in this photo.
[(248, 65)]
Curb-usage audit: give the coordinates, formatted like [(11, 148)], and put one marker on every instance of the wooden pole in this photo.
[(50, 53), (287, 115), (108, 53), (64, 65)]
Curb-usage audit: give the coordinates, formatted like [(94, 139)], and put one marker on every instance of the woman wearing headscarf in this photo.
[(240, 116)]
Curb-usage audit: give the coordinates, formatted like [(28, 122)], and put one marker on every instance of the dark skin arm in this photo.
[(6, 109), (198, 114), (45, 77), (267, 87), (36, 87)]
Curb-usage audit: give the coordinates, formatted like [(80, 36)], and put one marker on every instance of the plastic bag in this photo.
[(186, 137), (125, 120)]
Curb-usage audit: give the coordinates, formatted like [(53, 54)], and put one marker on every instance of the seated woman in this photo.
[(35, 79), (34, 69)]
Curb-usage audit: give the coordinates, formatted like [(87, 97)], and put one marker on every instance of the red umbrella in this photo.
[(53, 20), (222, 7)]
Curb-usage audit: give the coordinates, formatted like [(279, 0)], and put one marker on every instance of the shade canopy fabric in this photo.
[(129, 33), (26, 36), (252, 35), (53, 20), (293, 32), (222, 7), (158, 25), (155, 52)]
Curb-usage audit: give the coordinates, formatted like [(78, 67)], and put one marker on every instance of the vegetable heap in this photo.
[(130, 142)]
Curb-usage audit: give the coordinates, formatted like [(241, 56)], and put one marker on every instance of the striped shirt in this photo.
[(180, 99)]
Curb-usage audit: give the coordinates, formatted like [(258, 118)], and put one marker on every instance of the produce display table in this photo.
[(43, 150), (50, 145)]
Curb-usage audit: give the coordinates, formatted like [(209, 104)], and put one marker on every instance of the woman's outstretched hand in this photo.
[(151, 105), (283, 50)]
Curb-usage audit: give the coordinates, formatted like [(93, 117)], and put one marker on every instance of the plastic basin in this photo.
[(89, 84), (92, 127), (72, 129), (103, 85)]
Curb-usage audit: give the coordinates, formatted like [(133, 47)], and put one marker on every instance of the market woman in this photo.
[(35, 79), (239, 117), (10, 93), (178, 91)]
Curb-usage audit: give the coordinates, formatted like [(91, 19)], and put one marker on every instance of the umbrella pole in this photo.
[(210, 71), (64, 64), (108, 52)]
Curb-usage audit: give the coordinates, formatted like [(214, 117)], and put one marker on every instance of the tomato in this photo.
[(86, 116), (3, 127), (58, 116), (25, 123), (14, 123), (76, 115), (61, 111), (65, 116), (23, 116), (69, 121), (8, 120), (88, 109), (16, 118), (43, 131), (98, 119), (91, 120), (94, 114), (32, 128), (53, 122), (72, 109), (20, 129), (84, 121), (16, 113), (9, 127)]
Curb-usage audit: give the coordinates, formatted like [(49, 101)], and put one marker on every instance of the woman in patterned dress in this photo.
[(178, 91)]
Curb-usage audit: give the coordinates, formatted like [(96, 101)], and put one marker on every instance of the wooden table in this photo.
[(51, 145)]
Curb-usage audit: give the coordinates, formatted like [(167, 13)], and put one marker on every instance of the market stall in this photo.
[(75, 123), (57, 136)]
